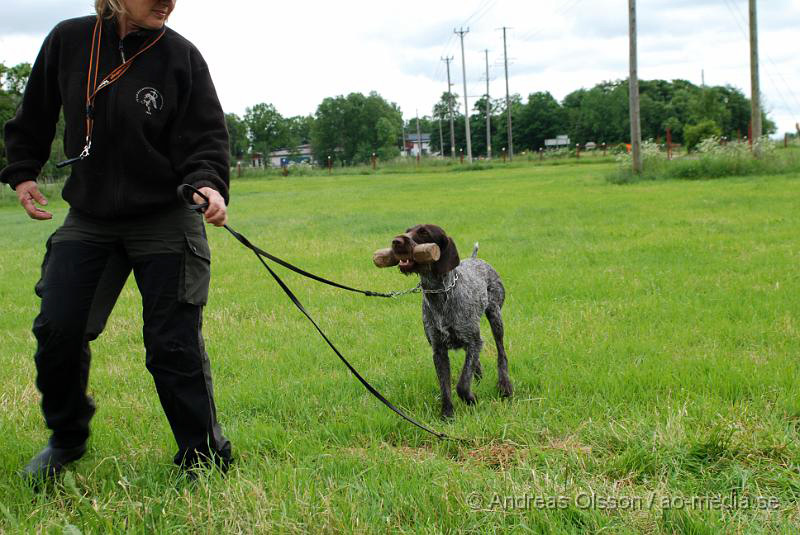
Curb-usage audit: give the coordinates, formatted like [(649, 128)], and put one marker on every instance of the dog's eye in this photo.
[(422, 232)]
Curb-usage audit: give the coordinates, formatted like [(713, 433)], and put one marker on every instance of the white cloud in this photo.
[(294, 54)]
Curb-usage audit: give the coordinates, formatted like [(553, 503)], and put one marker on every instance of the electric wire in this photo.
[(741, 21)]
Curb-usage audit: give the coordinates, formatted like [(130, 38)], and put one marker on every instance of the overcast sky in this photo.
[(294, 54)]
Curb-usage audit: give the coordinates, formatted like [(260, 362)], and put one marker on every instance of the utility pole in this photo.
[(441, 139), (508, 99), (450, 109), (633, 92), (488, 112), (755, 93), (419, 140), (461, 33)]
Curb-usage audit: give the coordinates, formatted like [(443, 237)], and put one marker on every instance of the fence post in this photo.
[(330, 165), (504, 155), (577, 151), (461, 154), (541, 154), (669, 144)]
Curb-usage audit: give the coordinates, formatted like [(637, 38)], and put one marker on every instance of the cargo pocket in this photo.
[(39, 287), (196, 271)]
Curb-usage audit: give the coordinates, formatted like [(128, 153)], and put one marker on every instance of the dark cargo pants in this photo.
[(86, 264)]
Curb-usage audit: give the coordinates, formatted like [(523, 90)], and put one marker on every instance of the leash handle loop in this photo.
[(186, 193)]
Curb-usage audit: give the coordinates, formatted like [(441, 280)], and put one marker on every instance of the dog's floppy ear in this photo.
[(448, 260)]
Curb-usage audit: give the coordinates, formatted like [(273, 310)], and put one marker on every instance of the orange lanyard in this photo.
[(93, 88)]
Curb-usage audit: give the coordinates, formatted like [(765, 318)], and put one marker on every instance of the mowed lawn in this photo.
[(653, 339)]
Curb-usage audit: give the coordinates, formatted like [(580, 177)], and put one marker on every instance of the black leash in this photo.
[(185, 192)]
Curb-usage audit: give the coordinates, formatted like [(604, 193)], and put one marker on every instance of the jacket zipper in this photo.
[(115, 170)]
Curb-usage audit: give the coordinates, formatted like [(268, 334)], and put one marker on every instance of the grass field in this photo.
[(652, 331)]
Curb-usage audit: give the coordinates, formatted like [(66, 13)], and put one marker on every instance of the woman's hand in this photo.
[(28, 193), (217, 211)]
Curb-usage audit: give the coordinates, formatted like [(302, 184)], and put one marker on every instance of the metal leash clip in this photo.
[(83, 155)]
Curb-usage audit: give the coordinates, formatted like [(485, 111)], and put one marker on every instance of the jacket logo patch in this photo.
[(150, 98)]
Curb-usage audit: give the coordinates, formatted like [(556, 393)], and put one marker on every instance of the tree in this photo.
[(515, 101), (447, 102), (298, 130), (599, 114), (266, 128), (14, 79), (12, 84), (541, 118), (477, 124), (237, 132), (351, 128)]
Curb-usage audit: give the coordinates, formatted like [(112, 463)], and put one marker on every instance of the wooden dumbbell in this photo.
[(424, 253)]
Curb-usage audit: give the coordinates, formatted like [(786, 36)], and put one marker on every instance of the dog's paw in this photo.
[(468, 397), (506, 390), (447, 413)]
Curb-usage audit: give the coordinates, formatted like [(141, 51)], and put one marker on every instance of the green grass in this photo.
[(732, 159), (652, 332)]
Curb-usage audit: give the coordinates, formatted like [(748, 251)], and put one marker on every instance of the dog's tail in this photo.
[(475, 251)]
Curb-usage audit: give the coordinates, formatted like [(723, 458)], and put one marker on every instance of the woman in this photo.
[(142, 117)]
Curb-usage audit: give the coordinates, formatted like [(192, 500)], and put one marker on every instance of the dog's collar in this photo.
[(441, 290)]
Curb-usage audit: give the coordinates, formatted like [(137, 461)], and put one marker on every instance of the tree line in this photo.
[(354, 127), (600, 114)]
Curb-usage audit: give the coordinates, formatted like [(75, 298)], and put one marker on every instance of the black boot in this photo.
[(49, 462)]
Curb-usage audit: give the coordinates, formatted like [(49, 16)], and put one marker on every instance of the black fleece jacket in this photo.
[(159, 126)]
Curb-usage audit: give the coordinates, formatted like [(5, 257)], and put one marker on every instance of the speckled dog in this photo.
[(455, 295)]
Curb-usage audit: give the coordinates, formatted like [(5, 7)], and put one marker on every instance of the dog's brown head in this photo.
[(403, 248)]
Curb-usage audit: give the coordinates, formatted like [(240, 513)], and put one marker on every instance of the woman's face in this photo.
[(148, 14)]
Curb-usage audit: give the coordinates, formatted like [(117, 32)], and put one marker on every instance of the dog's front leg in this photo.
[(442, 363), (464, 387)]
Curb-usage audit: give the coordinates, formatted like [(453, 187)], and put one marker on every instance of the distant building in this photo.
[(413, 146), (559, 141), (299, 154), (257, 159)]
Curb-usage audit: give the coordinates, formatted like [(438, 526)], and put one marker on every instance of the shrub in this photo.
[(711, 160), (693, 134)]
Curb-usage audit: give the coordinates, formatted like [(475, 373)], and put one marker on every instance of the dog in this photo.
[(455, 295)]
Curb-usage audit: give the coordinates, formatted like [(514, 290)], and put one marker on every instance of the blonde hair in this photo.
[(109, 8)]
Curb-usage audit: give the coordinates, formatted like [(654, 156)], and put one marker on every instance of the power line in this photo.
[(738, 17), (564, 9), (484, 6), (485, 11)]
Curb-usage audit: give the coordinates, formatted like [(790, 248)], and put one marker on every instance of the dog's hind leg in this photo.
[(496, 322), (442, 363)]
